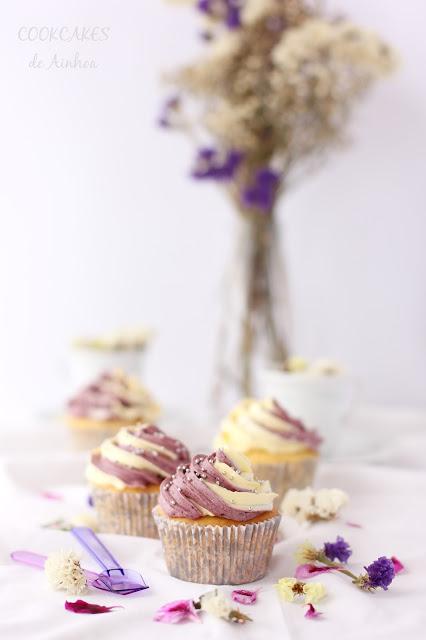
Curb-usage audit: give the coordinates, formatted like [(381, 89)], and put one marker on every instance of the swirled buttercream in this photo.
[(265, 425), (114, 396), (220, 484), (138, 456)]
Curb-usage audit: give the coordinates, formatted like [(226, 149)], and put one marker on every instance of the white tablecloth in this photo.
[(388, 501)]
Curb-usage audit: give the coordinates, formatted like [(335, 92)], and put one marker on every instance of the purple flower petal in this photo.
[(261, 193), (339, 550), (304, 571), (244, 596), (397, 565), (216, 165), (81, 606), (381, 572), (311, 612), (51, 495), (177, 611)]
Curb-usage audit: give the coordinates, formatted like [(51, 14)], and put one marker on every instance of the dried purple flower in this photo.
[(261, 194), (339, 550), (215, 165), (381, 572), (168, 110), (228, 11)]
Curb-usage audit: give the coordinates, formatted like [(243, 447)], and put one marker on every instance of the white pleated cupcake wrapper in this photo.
[(128, 513), (296, 474), (212, 554)]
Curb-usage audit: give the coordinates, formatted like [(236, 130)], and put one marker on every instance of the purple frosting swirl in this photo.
[(182, 494), (144, 477), (298, 432)]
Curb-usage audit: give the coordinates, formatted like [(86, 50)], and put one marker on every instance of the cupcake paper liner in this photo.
[(296, 474), (128, 513), (213, 554)]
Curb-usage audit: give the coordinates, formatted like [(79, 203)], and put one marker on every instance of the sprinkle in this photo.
[(173, 502), (218, 483)]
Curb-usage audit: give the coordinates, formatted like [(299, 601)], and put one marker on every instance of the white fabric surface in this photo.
[(388, 501)]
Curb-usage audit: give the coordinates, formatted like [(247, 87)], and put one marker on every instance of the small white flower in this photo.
[(63, 571), (307, 504), (216, 603)]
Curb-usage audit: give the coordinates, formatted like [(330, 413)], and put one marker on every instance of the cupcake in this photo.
[(216, 522), (110, 402), (279, 447), (125, 474)]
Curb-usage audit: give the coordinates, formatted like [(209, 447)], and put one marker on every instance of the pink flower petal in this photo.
[(397, 564), (51, 495), (311, 612), (80, 606), (353, 524), (177, 611), (304, 571), (244, 596)]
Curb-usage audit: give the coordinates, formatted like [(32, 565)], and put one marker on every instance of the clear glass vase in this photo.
[(254, 308)]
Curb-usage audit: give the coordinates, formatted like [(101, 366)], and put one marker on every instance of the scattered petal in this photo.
[(304, 571), (353, 524), (397, 565), (51, 495), (177, 611), (80, 606), (244, 596), (311, 612)]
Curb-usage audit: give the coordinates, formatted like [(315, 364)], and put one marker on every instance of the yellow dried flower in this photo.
[(285, 588), (306, 553), (314, 591)]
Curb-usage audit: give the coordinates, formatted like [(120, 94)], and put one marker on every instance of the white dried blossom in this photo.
[(254, 10), (63, 571), (215, 603), (309, 505)]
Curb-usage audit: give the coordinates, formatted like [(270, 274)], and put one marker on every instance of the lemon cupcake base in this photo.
[(213, 554)]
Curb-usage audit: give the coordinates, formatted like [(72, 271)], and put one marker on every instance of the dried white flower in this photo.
[(309, 505), (63, 571), (215, 603)]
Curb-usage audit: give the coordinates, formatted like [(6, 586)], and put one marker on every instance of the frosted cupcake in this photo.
[(112, 401), (125, 474), (216, 521), (279, 447)]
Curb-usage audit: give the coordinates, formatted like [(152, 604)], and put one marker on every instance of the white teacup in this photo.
[(86, 363), (322, 402)]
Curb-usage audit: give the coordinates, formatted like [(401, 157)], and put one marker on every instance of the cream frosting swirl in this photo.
[(114, 396), (138, 456), (264, 425), (220, 484)]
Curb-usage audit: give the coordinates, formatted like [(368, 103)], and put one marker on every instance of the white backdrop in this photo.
[(100, 226)]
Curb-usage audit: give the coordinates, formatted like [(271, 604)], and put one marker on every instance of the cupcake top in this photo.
[(137, 456), (220, 484), (264, 425), (114, 396)]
